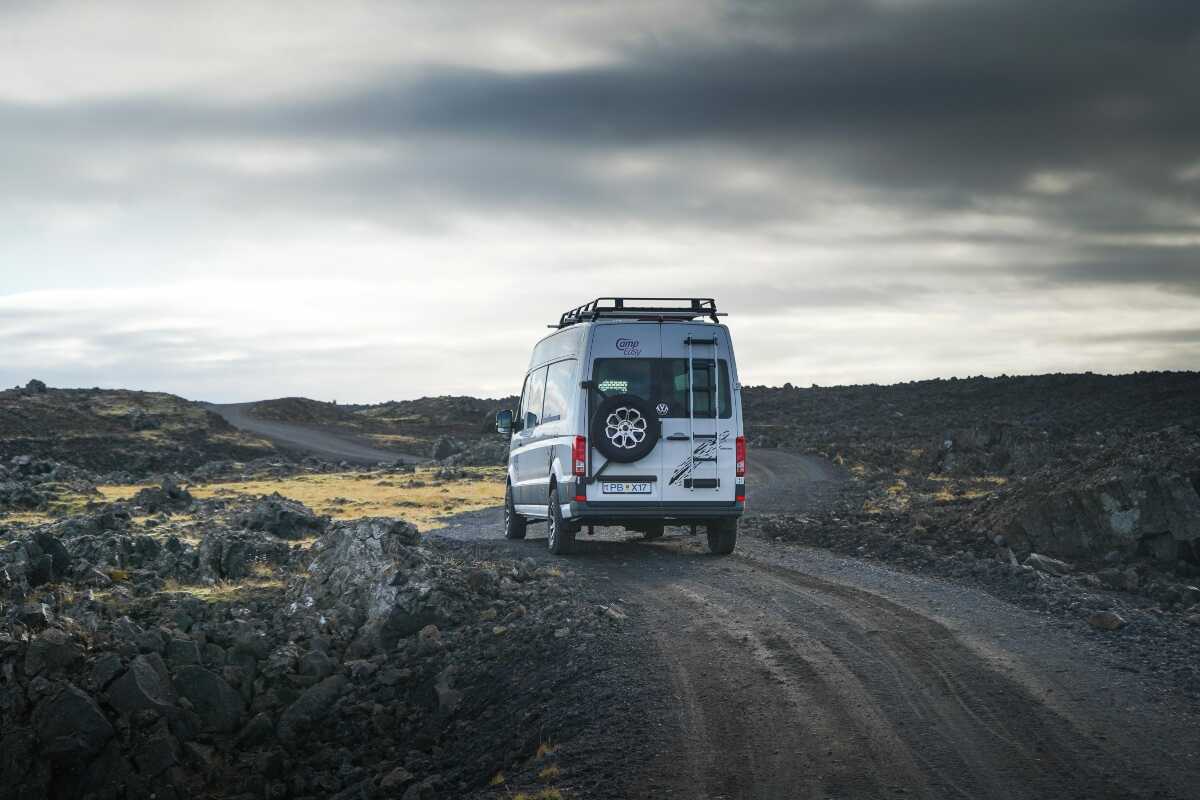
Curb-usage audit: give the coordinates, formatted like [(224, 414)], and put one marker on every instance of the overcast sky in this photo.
[(366, 201)]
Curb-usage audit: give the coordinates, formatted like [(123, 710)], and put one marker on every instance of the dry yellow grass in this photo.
[(27, 517), (225, 591), (64, 502), (350, 495), (393, 438), (544, 794)]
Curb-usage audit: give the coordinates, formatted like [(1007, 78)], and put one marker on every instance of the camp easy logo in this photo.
[(629, 347)]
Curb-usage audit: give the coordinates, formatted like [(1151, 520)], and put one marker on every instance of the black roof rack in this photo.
[(642, 308)]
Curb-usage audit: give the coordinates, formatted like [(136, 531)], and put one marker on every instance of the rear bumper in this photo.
[(598, 512)]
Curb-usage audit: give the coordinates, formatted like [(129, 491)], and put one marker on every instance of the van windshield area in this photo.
[(664, 382)]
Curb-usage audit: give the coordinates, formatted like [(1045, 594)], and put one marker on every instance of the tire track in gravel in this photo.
[(785, 672), (796, 687)]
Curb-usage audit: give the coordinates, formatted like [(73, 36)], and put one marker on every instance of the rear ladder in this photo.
[(713, 390)]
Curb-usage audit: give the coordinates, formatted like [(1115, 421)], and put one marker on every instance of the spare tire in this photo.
[(625, 428)]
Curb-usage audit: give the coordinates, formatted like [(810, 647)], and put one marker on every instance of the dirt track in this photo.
[(308, 439), (784, 672)]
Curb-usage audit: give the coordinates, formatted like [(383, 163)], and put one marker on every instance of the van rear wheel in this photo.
[(514, 523), (561, 537), (722, 536)]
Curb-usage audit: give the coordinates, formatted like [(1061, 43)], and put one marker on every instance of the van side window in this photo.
[(558, 390), (531, 401)]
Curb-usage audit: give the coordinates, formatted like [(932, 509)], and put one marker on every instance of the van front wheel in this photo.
[(561, 537), (722, 536), (514, 523)]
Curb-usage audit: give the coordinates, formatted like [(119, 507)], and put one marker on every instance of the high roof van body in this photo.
[(630, 415)]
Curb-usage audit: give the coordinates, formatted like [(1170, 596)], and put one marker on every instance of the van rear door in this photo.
[(696, 406), (625, 360)]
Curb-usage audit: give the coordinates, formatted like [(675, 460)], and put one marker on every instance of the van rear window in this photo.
[(664, 382)]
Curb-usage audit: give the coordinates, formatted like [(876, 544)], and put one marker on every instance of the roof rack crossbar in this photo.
[(642, 308)]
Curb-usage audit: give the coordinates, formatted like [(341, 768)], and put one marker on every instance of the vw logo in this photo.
[(662, 409)]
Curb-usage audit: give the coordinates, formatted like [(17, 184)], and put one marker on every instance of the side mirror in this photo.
[(504, 422)]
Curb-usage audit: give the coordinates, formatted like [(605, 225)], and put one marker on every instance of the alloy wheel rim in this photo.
[(625, 428)]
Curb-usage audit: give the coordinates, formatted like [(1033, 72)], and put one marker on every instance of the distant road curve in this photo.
[(314, 441)]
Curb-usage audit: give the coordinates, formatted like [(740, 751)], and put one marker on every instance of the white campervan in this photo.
[(631, 415)]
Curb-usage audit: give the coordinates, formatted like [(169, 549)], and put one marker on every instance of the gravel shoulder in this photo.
[(787, 671)]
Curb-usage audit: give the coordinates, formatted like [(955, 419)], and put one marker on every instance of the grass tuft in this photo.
[(224, 591)]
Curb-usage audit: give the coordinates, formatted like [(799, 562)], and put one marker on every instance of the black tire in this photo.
[(722, 536), (625, 428), (653, 531), (560, 537), (514, 523)]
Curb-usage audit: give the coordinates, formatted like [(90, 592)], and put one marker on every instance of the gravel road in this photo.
[(308, 439), (788, 672)]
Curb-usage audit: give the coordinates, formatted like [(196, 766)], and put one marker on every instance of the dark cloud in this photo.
[(937, 105), (848, 156)]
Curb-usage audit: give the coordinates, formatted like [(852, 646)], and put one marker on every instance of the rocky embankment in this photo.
[(107, 430), (235, 659), (1089, 468)]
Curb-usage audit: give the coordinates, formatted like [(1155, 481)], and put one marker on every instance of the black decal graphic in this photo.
[(705, 449)]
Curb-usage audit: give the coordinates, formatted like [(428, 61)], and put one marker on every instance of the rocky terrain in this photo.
[(193, 639), (1077, 495), (1080, 467), (237, 656), (108, 430)]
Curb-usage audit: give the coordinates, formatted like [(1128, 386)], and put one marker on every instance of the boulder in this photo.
[(1106, 620), (229, 555), (51, 651), (282, 517), (106, 668), (367, 573), (310, 708), (35, 615), (35, 387), (182, 651), (157, 754), (143, 687), (60, 559), (258, 731), (169, 496), (216, 703), (70, 725), (1048, 565), (1155, 512)]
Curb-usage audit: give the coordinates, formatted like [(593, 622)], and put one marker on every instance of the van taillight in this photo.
[(579, 456), (740, 456)]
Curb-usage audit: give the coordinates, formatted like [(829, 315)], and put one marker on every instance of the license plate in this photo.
[(643, 487)]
